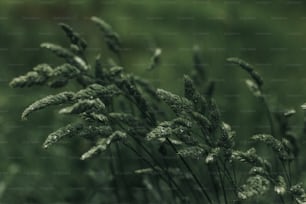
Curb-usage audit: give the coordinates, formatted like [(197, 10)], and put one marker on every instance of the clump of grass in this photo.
[(194, 133)]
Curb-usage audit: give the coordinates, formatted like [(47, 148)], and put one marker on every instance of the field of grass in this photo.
[(187, 132)]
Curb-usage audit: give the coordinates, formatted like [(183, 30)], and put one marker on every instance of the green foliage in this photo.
[(114, 110)]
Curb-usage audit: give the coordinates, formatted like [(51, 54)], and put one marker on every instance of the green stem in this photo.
[(234, 173), (159, 164), (191, 172), (113, 170), (282, 199), (289, 172), (270, 116), (122, 177), (214, 181), (181, 194), (222, 184), (153, 158)]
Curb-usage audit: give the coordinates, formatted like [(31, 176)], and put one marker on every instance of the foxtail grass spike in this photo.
[(190, 91), (51, 100), (274, 143), (255, 185), (38, 76), (212, 155), (84, 106), (43, 69), (194, 152), (253, 88), (65, 70), (74, 37), (201, 120), (198, 64), (155, 59), (67, 131), (111, 37), (298, 192), (177, 104), (96, 117), (289, 113), (250, 157), (103, 143), (67, 55), (280, 186), (248, 68), (97, 90), (147, 170)]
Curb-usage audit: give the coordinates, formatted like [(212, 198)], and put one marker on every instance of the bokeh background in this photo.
[(269, 34)]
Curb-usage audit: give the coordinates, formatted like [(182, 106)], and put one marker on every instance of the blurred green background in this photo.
[(269, 34)]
